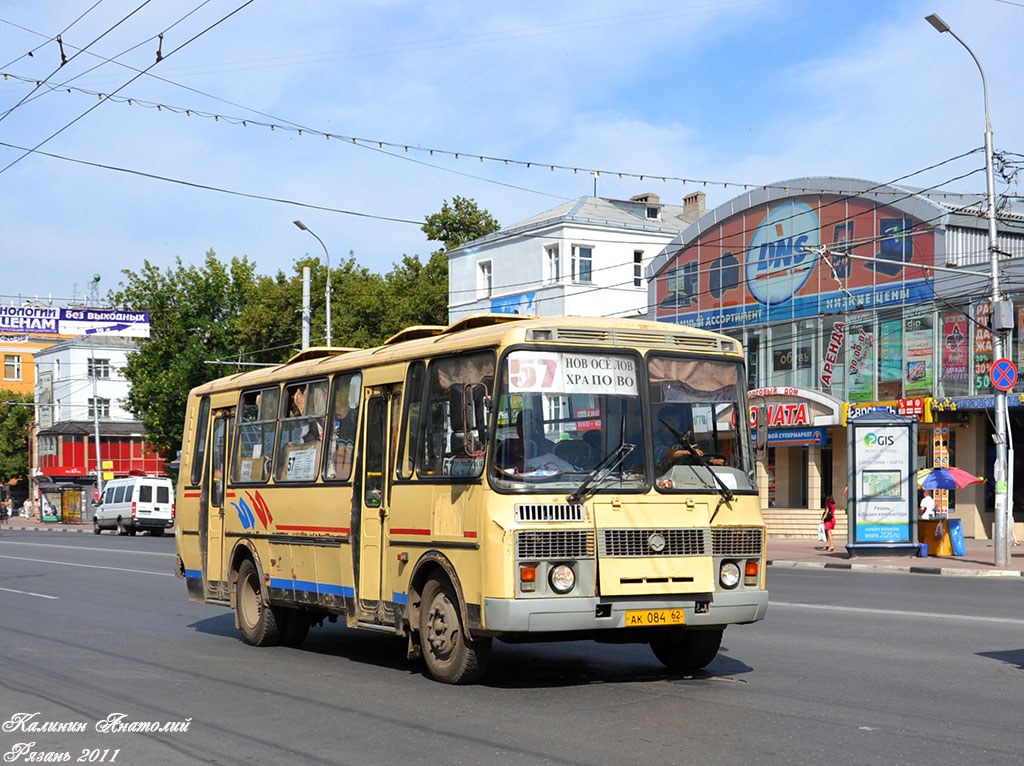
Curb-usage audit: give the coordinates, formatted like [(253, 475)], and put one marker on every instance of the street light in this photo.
[(1001, 319), (327, 290)]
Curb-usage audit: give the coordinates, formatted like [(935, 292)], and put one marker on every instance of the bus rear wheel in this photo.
[(687, 649), (257, 621), (451, 656)]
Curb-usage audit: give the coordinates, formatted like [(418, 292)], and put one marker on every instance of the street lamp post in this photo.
[(1001, 319), (327, 290)]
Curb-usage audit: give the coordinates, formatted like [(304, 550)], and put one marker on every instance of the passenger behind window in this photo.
[(345, 414)]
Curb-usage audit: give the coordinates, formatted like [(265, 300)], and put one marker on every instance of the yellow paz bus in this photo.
[(508, 478)]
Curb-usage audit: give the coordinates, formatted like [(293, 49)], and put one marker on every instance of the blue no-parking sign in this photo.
[(1003, 374)]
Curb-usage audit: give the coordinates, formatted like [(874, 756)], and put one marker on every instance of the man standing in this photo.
[(927, 510)]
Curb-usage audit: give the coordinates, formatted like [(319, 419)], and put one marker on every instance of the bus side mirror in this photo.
[(761, 449)]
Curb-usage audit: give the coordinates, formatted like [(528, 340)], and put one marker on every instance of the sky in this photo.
[(724, 91)]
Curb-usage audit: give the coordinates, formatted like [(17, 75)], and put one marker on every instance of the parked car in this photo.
[(138, 502)]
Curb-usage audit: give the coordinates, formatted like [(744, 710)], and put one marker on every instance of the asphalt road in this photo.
[(847, 668)]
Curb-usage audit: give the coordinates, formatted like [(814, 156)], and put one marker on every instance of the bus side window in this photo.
[(254, 435), (410, 436), (341, 437), (455, 432), (302, 429), (199, 452)]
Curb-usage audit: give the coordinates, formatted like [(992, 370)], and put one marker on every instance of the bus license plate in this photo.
[(647, 617)]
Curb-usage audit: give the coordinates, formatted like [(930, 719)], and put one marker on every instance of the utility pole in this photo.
[(96, 426), (1002, 321)]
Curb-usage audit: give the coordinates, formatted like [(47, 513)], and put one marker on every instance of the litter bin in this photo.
[(934, 534), (956, 537)]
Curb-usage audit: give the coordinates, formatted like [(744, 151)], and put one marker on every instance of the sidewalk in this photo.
[(18, 523), (803, 553)]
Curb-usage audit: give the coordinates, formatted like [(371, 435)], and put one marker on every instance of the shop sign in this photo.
[(13, 339), (74, 321), (794, 407), (954, 348), (835, 346), (796, 437), (982, 347), (919, 408), (974, 403)]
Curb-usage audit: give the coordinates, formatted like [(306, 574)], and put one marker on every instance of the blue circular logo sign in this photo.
[(776, 266)]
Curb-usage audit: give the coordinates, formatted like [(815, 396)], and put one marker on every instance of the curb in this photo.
[(64, 530), (897, 569)]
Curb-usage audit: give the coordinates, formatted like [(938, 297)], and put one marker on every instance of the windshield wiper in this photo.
[(599, 473), (721, 486)]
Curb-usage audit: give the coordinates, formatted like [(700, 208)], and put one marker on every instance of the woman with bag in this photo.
[(828, 519)]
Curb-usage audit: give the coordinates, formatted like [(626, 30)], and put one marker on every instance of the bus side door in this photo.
[(214, 482), (377, 456)]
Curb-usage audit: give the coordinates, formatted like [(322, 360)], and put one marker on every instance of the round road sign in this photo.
[(1003, 374)]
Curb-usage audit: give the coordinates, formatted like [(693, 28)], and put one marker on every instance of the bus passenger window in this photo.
[(406, 462), (457, 414), (302, 429), (254, 435), (344, 417), (199, 453)]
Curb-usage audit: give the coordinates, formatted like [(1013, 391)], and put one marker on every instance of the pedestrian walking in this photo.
[(927, 508), (828, 518)]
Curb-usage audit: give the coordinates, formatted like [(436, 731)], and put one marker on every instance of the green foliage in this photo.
[(226, 311), (459, 223), (195, 314), (15, 419)]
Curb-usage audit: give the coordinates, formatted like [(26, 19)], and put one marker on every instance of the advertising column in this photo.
[(882, 491)]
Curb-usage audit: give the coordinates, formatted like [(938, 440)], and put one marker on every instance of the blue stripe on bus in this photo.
[(196, 574), (313, 587), (400, 598)]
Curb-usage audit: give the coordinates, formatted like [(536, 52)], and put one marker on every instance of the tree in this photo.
[(195, 314), (15, 419), (458, 223)]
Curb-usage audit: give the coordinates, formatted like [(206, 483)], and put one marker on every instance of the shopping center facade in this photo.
[(854, 297)]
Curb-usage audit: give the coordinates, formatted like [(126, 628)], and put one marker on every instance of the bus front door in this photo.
[(377, 456)]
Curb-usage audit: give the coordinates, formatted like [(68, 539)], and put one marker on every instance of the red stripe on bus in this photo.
[(469, 534), (231, 494), (341, 530), (190, 495), (410, 531)]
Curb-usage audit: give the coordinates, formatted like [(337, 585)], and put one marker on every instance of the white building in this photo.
[(584, 257), (69, 369)]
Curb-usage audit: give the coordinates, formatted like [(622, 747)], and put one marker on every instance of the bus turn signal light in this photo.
[(528, 578), (750, 572)]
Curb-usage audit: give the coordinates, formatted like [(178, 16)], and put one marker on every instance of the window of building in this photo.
[(99, 368), (484, 279), (56, 369), (652, 212), (12, 366), (638, 268), (582, 260), (103, 405), (554, 265)]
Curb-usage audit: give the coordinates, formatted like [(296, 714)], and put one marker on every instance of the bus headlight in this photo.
[(562, 578), (729, 574)]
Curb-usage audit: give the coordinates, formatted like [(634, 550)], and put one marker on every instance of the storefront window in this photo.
[(954, 336), (861, 368), (919, 340), (890, 359)]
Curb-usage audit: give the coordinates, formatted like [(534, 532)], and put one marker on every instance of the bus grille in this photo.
[(736, 542), (654, 542), (549, 512), (555, 544)]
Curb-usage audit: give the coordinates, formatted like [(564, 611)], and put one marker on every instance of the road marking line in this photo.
[(89, 566), (899, 613), (29, 593), (86, 548)]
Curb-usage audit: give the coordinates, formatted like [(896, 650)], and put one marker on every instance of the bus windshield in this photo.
[(560, 414), (695, 407)]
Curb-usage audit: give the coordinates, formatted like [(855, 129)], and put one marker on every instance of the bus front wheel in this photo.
[(451, 656), (687, 649), (257, 620)]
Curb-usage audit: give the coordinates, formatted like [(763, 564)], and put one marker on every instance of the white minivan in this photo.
[(138, 502)]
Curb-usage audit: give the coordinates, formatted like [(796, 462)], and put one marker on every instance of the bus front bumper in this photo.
[(567, 614)]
